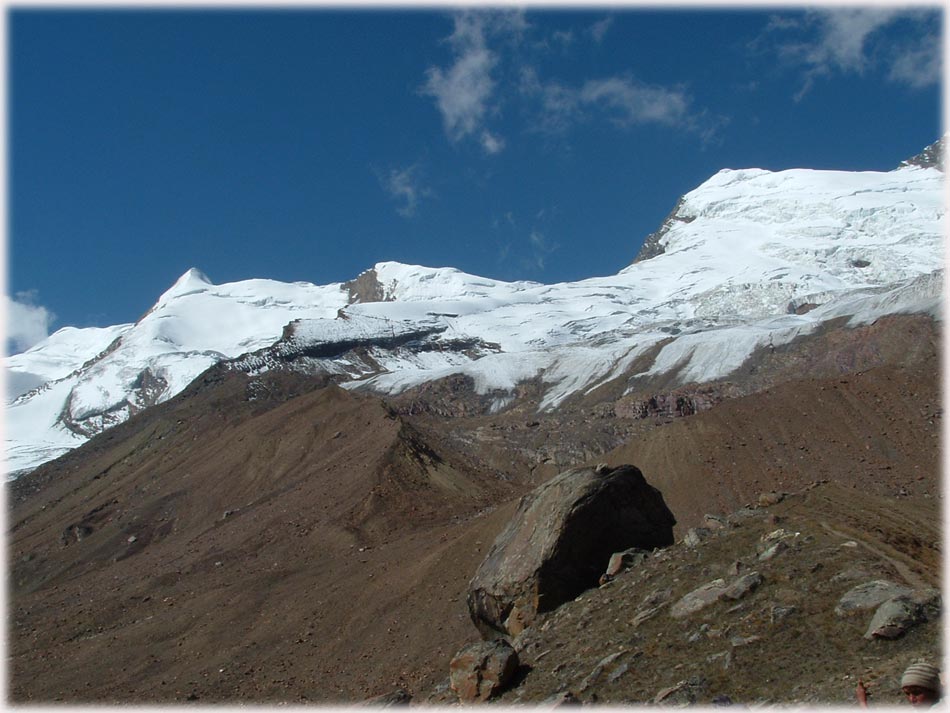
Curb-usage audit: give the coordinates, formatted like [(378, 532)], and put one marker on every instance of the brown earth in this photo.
[(276, 538)]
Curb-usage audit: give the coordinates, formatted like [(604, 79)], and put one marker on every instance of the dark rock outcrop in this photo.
[(559, 542), (930, 157), (651, 244)]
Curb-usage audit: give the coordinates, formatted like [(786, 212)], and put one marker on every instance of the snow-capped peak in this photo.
[(733, 268), (192, 281)]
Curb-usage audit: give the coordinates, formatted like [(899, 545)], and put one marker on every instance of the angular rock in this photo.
[(482, 669), (559, 541), (893, 618), (620, 561), (773, 551), (868, 596), (742, 586), (698, 599), (683, 693), (695, 535)]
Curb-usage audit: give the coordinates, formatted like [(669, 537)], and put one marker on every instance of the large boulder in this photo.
[(559, 542)]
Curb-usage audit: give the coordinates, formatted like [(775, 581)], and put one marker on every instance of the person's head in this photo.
[(921, 684)]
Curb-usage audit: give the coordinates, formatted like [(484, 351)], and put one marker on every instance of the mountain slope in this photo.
[(249, 539)]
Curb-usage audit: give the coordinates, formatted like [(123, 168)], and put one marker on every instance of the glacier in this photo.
[(749, 258)]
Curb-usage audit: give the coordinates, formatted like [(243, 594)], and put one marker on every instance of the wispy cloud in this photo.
[(541, 247), (599, 29), (27, 322), (632, 102), (492, 144), (464, 91), (623, 100), (855, 40), (918, 65), (406, 188)]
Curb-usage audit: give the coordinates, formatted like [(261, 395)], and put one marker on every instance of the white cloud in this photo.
[(27, 323), (491, 143), (462, 92), (851, 40), (636, 103), (405, 186), (624, 100), (918, 65), (465, 90)]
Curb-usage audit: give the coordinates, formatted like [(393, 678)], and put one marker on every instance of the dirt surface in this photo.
[(275, 538)]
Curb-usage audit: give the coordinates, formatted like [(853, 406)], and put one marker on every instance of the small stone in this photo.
[(773, 551), (696, 535), (656, 597), (645, 615), (851, 574), (618, 672), (777, 613), (737, 641)]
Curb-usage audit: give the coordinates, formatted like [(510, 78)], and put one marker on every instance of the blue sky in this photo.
[(308, 144)]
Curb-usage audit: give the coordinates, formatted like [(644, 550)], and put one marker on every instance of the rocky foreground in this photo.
[(788, 601), (276, 539)]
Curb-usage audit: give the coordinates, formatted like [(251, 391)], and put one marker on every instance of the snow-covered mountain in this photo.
[(747, 259)]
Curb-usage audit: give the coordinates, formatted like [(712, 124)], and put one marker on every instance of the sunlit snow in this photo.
[(747, 249)]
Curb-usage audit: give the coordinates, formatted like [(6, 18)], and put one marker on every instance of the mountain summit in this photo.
[(747, 259)]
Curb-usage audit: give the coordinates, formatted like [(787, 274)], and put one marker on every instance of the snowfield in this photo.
[(744, 252)]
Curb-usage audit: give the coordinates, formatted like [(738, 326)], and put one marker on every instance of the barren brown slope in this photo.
[(876, 431), (276, 538), (222, 548)]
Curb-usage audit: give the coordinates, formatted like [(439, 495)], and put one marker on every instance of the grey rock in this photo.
[(851, 574), (894, 617), (481, 670), (696, 535), (742, 586), (657, 597), (779, 612), (563, 698), (558, 542), (697, 599), (868, 596), (773, 551), (930, 601), (645, 615), (684, 692), (618, 672), (714, 522)]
